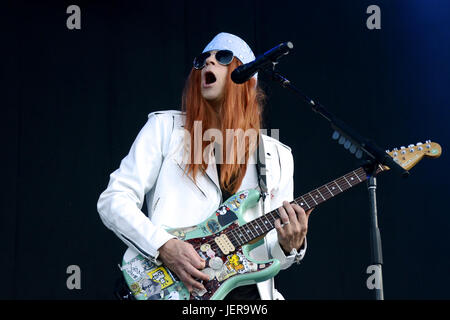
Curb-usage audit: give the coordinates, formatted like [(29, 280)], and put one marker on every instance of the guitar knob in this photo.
[(215, 263)]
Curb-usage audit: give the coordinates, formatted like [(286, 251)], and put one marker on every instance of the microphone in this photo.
[(246, 71)]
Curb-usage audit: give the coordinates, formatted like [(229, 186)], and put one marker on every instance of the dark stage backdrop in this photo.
[(73, 102)]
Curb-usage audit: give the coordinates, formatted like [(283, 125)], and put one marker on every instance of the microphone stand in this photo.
[(359, 146)]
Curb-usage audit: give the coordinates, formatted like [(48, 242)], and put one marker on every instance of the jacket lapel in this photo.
[(211, 172)]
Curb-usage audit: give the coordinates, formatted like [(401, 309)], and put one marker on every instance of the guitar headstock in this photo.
[(408, 157)]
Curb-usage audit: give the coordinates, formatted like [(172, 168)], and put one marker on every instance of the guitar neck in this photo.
[(260, 226)]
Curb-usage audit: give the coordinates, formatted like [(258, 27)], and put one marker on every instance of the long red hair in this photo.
[(241, 109)]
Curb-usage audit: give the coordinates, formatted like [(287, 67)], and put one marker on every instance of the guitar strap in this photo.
[(261, 167), (262, 182)]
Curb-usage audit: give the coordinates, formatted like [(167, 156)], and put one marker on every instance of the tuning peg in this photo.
[(395, 154), (428, 141), (402, 147), (387, 151), (418, 143), (410, 146)]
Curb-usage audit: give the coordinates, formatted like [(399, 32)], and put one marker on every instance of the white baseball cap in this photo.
[(228, 41)]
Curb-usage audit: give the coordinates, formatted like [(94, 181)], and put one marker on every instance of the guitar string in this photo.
[(359, 173), (325, 192), (342, 182), (236, 241)]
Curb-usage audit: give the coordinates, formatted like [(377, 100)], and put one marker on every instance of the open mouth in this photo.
[(210, 78)]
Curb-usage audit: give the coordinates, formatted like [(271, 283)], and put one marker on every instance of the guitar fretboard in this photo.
[(260, 226)]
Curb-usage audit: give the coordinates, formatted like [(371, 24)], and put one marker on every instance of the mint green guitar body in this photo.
[(228, 264)]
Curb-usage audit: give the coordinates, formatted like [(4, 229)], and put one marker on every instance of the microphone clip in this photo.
[(275, 76)]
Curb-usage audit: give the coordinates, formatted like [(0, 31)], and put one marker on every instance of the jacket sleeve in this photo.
[(120, 204), (285, 192)]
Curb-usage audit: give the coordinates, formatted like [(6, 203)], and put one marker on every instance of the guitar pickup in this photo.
[(224, 244)]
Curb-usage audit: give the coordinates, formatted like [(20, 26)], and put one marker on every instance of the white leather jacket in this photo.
[(153, 172)]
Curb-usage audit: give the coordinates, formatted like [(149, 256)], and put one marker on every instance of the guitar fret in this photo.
[(251, 225), (306, 203), (238, 240), (352, 179), (271, 213), (309, 194), (302, 204), (357, 176), (347, 181), (363, 176), (235, 234), (235, 242), (248, 229), (264, 223), (337, 185), (232, 237), (259, 227), (242, 234), (315, 196), (329, 194), (321, 195), (329, 191), (267, 220)]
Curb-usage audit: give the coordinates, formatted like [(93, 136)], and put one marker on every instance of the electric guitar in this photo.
[(224, 240)]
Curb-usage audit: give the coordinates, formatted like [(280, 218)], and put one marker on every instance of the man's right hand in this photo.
[(181, 258)]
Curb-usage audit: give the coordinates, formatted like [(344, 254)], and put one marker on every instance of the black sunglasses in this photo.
[(224, 57)]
